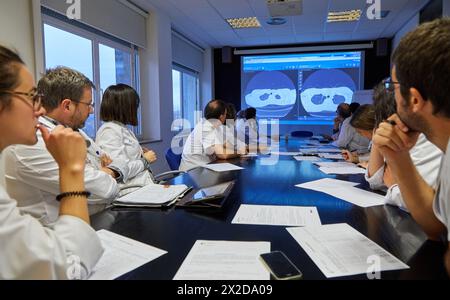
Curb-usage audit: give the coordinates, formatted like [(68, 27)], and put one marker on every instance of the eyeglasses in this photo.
[(91, 105), (389, 84), (34, 96)]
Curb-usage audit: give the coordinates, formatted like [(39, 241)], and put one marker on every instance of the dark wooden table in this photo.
[(176, 230)]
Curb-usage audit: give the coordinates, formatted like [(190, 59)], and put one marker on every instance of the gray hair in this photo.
[(62, 83)]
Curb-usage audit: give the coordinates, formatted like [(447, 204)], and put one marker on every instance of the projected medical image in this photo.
[(302, 88), (273, 94), (324, 90)]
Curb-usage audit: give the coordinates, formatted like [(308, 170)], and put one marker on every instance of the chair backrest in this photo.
[(305, 134), (174, 160)]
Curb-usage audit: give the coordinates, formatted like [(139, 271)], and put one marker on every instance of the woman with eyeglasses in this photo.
[(28, 250), (119, 110)]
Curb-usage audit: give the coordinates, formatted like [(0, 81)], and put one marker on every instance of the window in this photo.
[(105, 61), (186, 98)]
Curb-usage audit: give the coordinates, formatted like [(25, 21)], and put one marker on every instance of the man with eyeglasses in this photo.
[(420, 81), (32, 173)]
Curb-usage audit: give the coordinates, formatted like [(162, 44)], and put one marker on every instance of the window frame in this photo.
[(185, 70), (96, 40)]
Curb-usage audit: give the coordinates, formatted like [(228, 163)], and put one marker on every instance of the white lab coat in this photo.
[(122, 145), (199, 147), (427, 159), (29, 250), (32, 178)]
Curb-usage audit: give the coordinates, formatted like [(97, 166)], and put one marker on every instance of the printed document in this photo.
[(340, 250), (277, 215), (121, 256), (224, 260)]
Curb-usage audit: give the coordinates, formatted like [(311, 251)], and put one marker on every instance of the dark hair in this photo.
[(364, 118), (120, 103), (231, 111), (10, 63), (354, 106), (62, 83), (422, 61), (215, 109), (240, 114), (250, 113), (384, 103), (343, 110)]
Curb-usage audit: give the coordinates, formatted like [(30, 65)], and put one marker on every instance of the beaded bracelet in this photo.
[(72, 194)]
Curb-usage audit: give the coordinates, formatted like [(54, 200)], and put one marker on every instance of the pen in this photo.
[(392, 122)]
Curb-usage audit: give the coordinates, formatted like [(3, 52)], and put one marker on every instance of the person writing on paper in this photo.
[(348, 138), (32, 173), (363, 120), (119, 109), (426, 157), (28, 250), (206, 144), (420, 81)]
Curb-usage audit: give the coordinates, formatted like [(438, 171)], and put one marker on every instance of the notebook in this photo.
[(154, 195)]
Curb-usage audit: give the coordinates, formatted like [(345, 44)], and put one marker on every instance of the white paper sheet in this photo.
[(331, 156), (276, 153), (306, 158), (340, 250), (224, 260), (121, 256), (340, 170), (335, 164), (345, 191), (277, 215), (225, 167), (153, 194)]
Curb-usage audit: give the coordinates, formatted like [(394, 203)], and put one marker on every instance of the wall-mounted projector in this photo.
[(283, 8)]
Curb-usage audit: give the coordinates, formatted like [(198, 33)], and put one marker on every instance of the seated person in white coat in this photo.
[(28, 250), (119, 108), (205, 144), (425, 156), (348, 138), (32, 173)]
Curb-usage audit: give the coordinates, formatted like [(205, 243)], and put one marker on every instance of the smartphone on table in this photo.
[(280, 266)]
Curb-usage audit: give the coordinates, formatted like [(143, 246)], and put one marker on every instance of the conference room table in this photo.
[(175, 230)]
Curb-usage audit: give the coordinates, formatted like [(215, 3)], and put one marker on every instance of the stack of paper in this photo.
[(339, 250), (121, 256), (224, 260), (344, 190), (225, 167), (153, 195), (277, 215)]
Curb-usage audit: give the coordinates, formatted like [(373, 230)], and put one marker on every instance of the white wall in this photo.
[(409, 26), (16, 29), (156, 86)]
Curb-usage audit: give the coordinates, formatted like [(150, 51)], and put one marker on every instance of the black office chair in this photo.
[(302, 134), (174, 161)]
